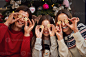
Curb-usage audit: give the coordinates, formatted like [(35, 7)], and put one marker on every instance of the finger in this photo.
[(78, 19), (36, 29), (57, 33), (57, 24), (68, 25), (33, 22), (16, 13), (53, 27), (15, 20), (29, 21), (42, 30), (25, 23), (49, 30), (74, 18), (70, 19), (60, 28), (57, 28)]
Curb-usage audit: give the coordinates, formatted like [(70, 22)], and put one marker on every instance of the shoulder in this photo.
[(81, 27)]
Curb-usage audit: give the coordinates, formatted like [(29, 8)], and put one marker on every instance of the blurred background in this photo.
[(44, 7)]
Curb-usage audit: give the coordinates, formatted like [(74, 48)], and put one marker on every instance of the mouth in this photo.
[(64, 27), (46, 32), (20, 23)]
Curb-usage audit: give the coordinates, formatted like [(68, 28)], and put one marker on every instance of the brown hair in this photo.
[(63, 11), (45, 17)]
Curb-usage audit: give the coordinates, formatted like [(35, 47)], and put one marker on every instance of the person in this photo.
[(70, 33), (14, 40), (44, 43)]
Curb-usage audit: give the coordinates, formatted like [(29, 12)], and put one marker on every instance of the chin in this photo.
[(46, 35)]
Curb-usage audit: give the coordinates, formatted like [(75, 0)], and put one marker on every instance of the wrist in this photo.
[(59, 38), (51, 35), (39, 37), (26, 34), (75, 30), (6, 23)]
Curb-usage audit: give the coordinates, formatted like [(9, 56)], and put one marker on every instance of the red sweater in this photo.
[(14, 43)]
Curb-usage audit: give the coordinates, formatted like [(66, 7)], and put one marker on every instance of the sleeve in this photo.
[(3, 30), (63, 50), (80, 43), (36, 52), (53, 47), (25, 47)]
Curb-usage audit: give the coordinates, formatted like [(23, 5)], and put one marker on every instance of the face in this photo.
[(20, 23), (61, 18), (45, 31)]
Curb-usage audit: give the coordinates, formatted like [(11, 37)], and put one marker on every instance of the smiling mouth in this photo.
[(64, 27), (46, 32), (20, 23)]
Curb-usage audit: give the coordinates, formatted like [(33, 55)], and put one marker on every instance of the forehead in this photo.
[(24, 13), (45, 22), (62, 16)]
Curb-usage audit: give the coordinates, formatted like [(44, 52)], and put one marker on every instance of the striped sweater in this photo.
[(70, 41)]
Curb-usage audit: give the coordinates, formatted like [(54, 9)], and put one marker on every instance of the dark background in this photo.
[(78, 9)]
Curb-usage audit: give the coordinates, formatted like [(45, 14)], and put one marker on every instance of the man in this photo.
[(14, 42)]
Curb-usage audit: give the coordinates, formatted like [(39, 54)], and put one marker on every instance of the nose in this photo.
[(22, 19), (45, 28), (63, 24)]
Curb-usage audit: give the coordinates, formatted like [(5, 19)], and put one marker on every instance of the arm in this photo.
[(53, 47), (80, 43), (25, 47), (36, 52), (63, 50), (3, 29)]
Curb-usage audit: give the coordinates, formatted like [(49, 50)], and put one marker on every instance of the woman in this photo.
[(44, 43), (74, 36)]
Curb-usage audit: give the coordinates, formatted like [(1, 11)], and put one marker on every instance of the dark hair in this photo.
[(63, 11), (45, 17), (26, 9)]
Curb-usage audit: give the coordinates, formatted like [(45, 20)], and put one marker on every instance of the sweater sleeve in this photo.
[(25, 47), (80, 43), (53, 47), (3, 29), (36, 52), (63, 50)]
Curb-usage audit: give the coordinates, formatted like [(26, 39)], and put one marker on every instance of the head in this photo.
[(24, 10), (45, 20), (61, 16)]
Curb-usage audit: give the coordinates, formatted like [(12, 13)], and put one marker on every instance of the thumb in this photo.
[(42, 30), (15, 20), (68, 25)]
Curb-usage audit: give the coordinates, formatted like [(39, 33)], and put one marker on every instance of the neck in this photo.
[(68, 32), (14, 27), (46, 37)]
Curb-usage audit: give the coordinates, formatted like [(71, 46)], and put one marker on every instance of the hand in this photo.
[(58, 31), (73, 26), (52, 32), (10, 19), (28, 29), (38, 32)]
